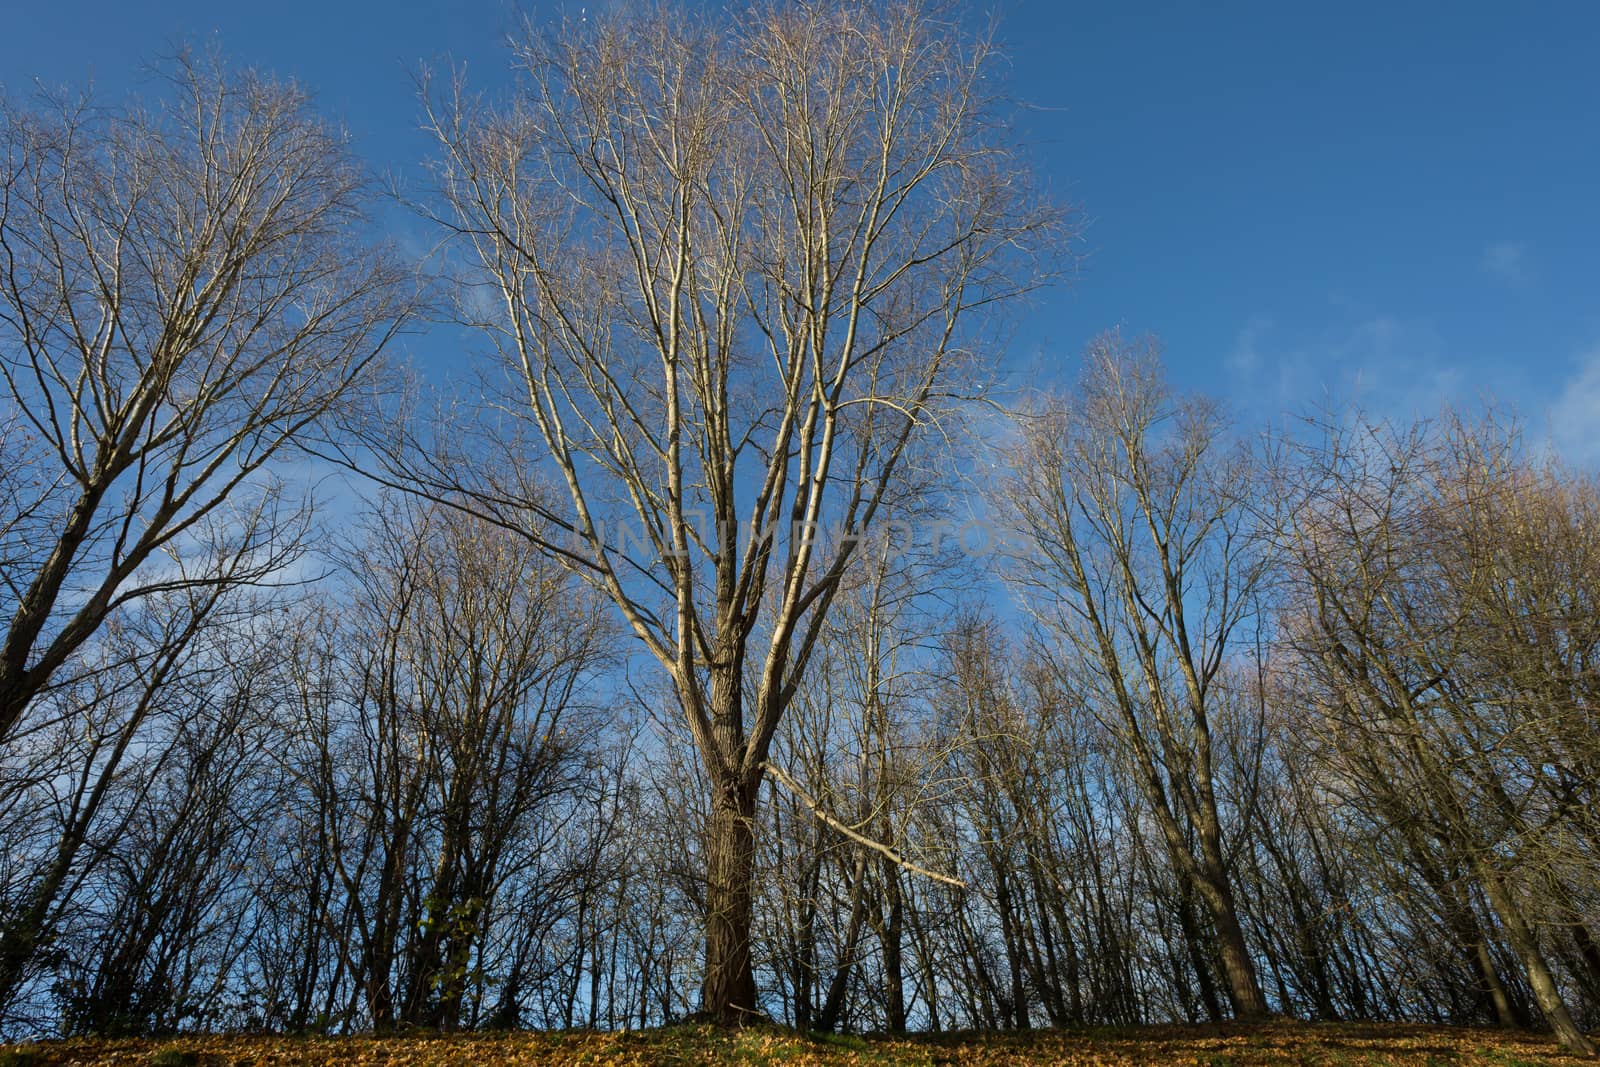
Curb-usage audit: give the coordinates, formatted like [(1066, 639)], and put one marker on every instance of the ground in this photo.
[(685, 1046)]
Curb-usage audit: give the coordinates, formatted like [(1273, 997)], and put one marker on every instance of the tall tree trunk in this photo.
[(804, 966), (1490, 985), (1244, 986), (833, 1005), (1589, 952), (1216, 890), (893, 972), (1196, 943), (1546, 994), (729, 992)]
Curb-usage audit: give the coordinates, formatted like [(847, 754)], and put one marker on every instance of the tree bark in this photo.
[(1490, 986), (894, 979), (1244, 988), (1216, 889), (728, 995), (1189, 923), (839, 984), (1546, 994), (1589, 952)]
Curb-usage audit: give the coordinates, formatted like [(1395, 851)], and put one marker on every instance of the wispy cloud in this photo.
[(1575, 415), (1389, 364), (1245, 355), (1506, 261)]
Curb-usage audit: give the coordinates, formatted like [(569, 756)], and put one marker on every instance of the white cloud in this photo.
[(1507, 261), (1389, 364), (1575, 415), (1246, 353)]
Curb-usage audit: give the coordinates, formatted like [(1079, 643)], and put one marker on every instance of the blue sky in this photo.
[(1395, 201)]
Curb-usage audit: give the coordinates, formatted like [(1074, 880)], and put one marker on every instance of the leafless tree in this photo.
[(81, 753), (1444, 608), (457, 730), (186, 292), (1141, 563), (736, 268), (859, 760), (165, 906)]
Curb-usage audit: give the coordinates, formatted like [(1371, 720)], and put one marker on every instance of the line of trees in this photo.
[(634, 686)]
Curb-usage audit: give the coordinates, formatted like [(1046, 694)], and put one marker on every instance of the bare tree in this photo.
[(735, 268), (185, 293), (1444, 614), (854, 763), (457, 728), (81, 748), (164, 908), (1141, 563)]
